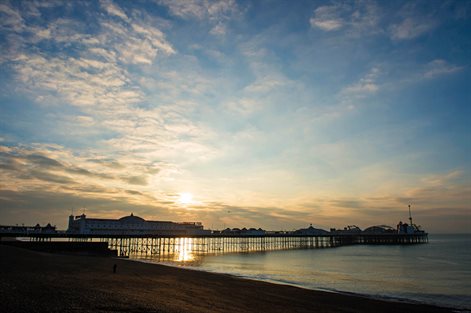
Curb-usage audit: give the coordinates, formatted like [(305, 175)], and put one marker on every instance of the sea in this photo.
[(437, 273)]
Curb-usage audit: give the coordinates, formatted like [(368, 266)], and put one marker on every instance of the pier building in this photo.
[(37, 229), (310, 231), (243, 232), (132, 225)]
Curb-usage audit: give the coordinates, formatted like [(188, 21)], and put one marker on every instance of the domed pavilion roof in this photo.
[(379, 229), (132, 219)]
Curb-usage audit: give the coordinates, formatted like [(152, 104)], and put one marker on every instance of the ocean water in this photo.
[(436, 273)]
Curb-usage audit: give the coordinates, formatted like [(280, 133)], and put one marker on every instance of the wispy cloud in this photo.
[(413, 22), (113, 9), (244, 106), (51, 170), (357, 18), (411, 27), (441, 180), (108, 187), (96, 76), (328, 17), (11, 18), (438, 201), (413, 73), (217, 12), (440, 67), (365, 86), (97, 79)]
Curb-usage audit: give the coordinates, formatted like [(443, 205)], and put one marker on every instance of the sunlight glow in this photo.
[(185, 198)]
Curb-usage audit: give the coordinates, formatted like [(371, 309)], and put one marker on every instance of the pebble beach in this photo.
[(42, 282)]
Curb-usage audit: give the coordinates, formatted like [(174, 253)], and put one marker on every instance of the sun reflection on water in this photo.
[(185, 253)]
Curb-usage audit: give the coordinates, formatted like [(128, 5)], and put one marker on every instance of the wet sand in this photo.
[(41, 282)]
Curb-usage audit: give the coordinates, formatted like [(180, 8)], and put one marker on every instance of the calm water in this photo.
[(438, 272)]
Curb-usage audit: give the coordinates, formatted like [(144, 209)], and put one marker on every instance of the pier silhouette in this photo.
[(148, 246)]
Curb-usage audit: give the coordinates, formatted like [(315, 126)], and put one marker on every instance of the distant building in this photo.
[(243, 232), (48, 229), (380, 229), (132, 225), (350, 229), (310, 231), (404, 228), (26, 230)]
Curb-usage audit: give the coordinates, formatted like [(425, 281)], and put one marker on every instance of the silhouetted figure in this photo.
[(114, 268)]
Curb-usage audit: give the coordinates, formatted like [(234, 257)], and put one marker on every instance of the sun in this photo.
[(185, 198)]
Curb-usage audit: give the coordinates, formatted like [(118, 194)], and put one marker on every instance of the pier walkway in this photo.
[(158, 245)]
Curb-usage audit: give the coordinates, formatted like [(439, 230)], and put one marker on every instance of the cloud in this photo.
[(38, 170), (93, 70), (264, 84), (42, 161), (411, 27), (218, 30), (48, 177), (43, 206), (78, 81), (449, 190), (244, 106), (328, 18), (414, 20), (222, 215), (216, 12), (107, 162), (34, 180), (113, 9), (49, 187), (188, 9), (97, 74), (365, 86), (438, 67), (357, 18), (10, 18), (24, 163), (136, 180), (200, 9), (442, 179), (438, 202)]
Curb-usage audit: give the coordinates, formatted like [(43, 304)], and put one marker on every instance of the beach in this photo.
[(39, 282)]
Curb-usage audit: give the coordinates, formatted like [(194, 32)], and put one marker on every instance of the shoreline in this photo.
[(386, 298), (39, 282)]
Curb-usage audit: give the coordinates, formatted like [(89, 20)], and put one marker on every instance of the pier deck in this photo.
[(148, 246)]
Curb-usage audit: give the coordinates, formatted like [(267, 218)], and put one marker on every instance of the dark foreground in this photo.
[(40, 282)]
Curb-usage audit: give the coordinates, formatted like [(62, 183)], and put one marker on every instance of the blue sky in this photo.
[(272, 114)]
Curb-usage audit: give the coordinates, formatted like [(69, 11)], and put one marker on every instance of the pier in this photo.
[(182, 246), (150, 246), (134, 236)]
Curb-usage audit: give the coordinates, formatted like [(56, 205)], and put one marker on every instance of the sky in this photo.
[(272, 114)]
